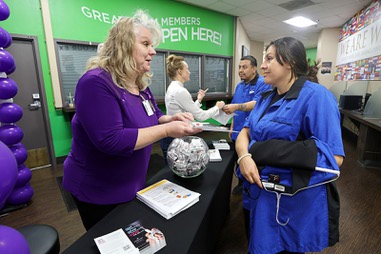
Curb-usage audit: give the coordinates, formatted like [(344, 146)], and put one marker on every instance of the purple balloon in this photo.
[(4, 11), (11, 70), (21, 195), (12, 241), (11, 134), (8, 172), (20, 153), (10, 40), (24, 175), (8, 88), (10, 112), (5, 38), (7, 63)]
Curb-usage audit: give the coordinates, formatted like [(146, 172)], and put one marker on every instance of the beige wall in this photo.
[(326, 52), (241, 38), (256, 50)]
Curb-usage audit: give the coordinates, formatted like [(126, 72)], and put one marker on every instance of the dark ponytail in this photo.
[(312, 71)]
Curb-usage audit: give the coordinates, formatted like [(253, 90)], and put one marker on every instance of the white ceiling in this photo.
[(262, 19)]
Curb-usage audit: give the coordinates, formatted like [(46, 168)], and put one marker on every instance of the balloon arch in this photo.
[(15, 177)]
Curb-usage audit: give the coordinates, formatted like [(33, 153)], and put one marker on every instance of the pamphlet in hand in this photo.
[(210, 127), (132, 239), (167, 198), (222, 117)]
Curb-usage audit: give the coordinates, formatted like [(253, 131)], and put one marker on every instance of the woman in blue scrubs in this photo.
[(292, 134)]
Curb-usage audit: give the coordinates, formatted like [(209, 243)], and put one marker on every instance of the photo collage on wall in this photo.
[(367, 68)]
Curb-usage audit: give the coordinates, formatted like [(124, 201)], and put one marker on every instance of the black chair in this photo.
[(42, 239)]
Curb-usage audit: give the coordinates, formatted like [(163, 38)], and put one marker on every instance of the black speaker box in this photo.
[(350, 101)]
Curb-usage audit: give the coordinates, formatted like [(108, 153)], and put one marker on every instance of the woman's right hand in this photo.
[(178, 129), (220, 104)]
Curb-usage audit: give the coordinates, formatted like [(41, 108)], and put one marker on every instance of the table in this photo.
[(194, 230), (368, 140)]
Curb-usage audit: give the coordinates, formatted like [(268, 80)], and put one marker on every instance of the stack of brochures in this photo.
[(214, 155), (147, 240), (221, 144), (167, 198)]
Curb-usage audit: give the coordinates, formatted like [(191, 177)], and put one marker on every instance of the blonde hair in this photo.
[(174, 63), (117, 53)]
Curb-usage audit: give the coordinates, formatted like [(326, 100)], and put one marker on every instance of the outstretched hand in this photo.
[(229, 108), (178, 129)]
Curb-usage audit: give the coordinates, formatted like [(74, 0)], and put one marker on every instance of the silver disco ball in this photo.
[(188, 156)]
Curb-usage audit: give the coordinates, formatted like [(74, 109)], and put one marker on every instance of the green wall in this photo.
[(90, 20), (311, 54), (26, 19), (185, 27)]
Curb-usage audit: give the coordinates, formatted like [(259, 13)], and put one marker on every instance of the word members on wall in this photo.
[(174, 29), (15, 189), (177, 29)]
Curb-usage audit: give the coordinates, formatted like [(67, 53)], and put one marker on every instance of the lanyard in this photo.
[(147, 104)]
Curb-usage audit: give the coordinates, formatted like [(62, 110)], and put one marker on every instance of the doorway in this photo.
[(31, 98)]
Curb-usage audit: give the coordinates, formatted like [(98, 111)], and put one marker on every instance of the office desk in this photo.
[(194, 230), (369, 138)]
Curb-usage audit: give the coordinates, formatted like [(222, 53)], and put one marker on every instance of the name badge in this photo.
[(147, 107)]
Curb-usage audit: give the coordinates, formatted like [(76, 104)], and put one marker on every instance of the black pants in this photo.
[(91, 214), (235, 158), (246, 216)]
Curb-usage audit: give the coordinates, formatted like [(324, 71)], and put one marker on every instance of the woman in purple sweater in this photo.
[(117, 120)]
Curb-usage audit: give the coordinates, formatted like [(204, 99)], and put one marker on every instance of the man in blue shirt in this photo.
[(246, 94)]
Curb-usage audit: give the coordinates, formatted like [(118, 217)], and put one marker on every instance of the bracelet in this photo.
[(243, 156)]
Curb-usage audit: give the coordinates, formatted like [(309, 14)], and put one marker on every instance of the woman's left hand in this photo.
[(184, 117), (249, 170)]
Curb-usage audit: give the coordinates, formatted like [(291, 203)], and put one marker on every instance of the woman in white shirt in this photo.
[(178, 99)]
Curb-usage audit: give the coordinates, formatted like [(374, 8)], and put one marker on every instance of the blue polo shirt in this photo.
[(244, 93)]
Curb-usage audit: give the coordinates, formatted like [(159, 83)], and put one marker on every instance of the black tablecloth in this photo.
[(194, 230)]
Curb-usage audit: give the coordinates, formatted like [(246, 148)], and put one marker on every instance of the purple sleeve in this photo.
[(100, 114)]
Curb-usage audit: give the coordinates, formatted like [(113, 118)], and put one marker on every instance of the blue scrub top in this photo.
[(310, 109), (307, 108), (245, 93)]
